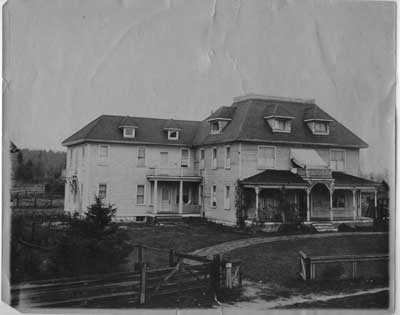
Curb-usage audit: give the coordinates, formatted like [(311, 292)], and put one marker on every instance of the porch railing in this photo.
[(174, 171)]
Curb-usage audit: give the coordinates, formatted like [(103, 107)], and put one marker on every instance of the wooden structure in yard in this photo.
[(309, 264), (137, 287)]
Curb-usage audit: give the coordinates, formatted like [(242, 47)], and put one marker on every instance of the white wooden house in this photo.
[(151, 167)]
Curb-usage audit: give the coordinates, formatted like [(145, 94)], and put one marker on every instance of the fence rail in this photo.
[(308, 264), (138, 286)]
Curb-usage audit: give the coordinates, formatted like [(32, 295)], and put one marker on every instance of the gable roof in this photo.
[(249, 125), (246, 124), (149, 130)]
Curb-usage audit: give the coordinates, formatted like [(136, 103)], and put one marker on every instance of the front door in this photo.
[(165, 198)]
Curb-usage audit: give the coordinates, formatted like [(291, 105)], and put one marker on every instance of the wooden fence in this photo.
[(138, 287), (308, 264), (35, 199)]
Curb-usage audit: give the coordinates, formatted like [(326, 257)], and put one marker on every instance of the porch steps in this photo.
[(324, 227), (168, 219)]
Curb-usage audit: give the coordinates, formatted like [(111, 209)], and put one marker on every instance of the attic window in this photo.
[(173, 134), (215, 128), (319, 127), (217, 125), (129, 132), (282, 125)]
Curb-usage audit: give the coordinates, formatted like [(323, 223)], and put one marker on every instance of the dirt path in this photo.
[(231, 245), (254, 296)]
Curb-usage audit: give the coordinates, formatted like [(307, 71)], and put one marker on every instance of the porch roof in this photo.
[(275, 177), (343, 179)]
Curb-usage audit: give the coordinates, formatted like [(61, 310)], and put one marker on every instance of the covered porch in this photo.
[(175, 196), (285, 196)]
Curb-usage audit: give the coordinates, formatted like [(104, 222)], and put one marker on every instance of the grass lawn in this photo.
[(277, 264), (182, 237)]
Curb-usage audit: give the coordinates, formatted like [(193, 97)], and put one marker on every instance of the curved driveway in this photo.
[(231, 245)]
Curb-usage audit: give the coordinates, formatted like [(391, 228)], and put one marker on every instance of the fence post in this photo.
[(143, 284), (215, 276), (228, 276), (171, 258)]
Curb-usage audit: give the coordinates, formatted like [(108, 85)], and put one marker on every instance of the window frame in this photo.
[(259, 166), (331, 151), (342, 194), (173, 138), (139, 158), (227, 200), (188, 157), (215, 123), (98, 191), (202, 159), (144, 195), (228, 157), (99, 153), (287, 125), (129, 135), (214, 159), (326, 132), (213, 198)]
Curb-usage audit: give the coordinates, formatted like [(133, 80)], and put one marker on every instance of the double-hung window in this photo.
[(140, 195), (213, 195), (102, 192), (228, 157), (184, 157), (141, 157), (214, 158), (337, 161), (266, 157), (104, 152), (202, 165), (227, 199)]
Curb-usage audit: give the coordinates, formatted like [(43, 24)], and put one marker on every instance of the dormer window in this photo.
[(129, 132), (217, 125), (282, 125), (319, 127), (317, 120), (279, 118), (173, 134), (215, 128)]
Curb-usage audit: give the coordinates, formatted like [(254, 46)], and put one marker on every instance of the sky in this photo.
[(67, 62)]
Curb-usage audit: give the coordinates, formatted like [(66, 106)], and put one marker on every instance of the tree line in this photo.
[(38, 165)]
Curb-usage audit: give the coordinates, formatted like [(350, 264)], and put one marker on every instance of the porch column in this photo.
[(155, 197), (359, 204), (375, 203), (308, 205), (180, 196), (331, 203), (257, 190), (354, 204)]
